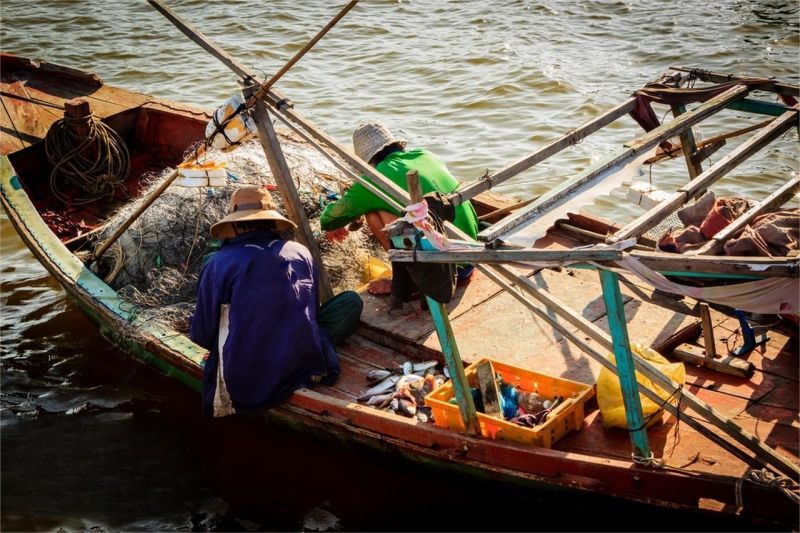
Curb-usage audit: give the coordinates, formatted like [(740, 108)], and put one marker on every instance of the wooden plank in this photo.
[(363, 349), (25, 124), (488, 387), (704, 266), (416, 325), (719, 77), (688, 145), (759, 107), (497, 213), (725, 364), (697, 186), (719, 266), (291, 198), (504, 256), (631, 150), (571, 138), (785, 193)]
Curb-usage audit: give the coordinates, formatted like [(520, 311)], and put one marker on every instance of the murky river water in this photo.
[(92, 438)]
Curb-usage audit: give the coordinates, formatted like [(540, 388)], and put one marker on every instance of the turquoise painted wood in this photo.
[(757, 106), (625, 369), (447, 341), (683, 273)]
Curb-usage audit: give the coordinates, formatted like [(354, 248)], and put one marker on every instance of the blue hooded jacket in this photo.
[(257, 304)]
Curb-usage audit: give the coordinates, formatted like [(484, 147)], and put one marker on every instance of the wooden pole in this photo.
[(291, 199), (732, 267), (615, 312), (719, 77), (688, 145), (708, 331), (447, 339)]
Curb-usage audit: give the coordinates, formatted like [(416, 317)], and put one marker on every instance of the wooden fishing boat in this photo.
[(698, 474)]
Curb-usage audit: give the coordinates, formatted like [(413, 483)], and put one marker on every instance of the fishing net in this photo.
[(155, 265)]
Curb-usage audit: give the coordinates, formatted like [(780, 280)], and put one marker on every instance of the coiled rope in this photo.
[(98, 164), (765, 478)]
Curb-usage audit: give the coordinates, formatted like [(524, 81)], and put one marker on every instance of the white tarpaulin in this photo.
[(528, 233)]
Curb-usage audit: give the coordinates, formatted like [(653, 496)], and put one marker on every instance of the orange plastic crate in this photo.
[(565, 417)]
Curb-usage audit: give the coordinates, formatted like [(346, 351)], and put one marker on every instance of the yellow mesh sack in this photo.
[(609, 393)]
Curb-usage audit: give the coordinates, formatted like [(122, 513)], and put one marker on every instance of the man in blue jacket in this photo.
[(258, 312)]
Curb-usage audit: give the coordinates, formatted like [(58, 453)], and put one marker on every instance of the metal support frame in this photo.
[(447, 340), (625, 366)]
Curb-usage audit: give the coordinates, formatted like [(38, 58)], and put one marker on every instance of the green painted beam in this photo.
[(624, 358)]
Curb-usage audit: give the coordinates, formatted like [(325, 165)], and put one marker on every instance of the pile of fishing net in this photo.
[(155, 265)]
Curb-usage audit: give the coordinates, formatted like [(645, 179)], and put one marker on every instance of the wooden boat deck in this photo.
[(488, 323)]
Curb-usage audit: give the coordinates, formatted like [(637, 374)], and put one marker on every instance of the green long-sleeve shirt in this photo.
[(433, 176)]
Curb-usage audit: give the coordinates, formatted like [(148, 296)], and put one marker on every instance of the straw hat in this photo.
[(372, 137), (249, 204)]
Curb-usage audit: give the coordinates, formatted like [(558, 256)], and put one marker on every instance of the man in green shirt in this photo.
[(374, 143)]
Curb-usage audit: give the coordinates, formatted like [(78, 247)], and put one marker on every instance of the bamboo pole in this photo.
[(262, 91)]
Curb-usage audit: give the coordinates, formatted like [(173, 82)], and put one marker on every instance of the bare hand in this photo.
[(337, 235)]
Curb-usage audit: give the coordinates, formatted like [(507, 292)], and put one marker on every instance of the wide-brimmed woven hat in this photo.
[(371, 137), (249, 204)]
